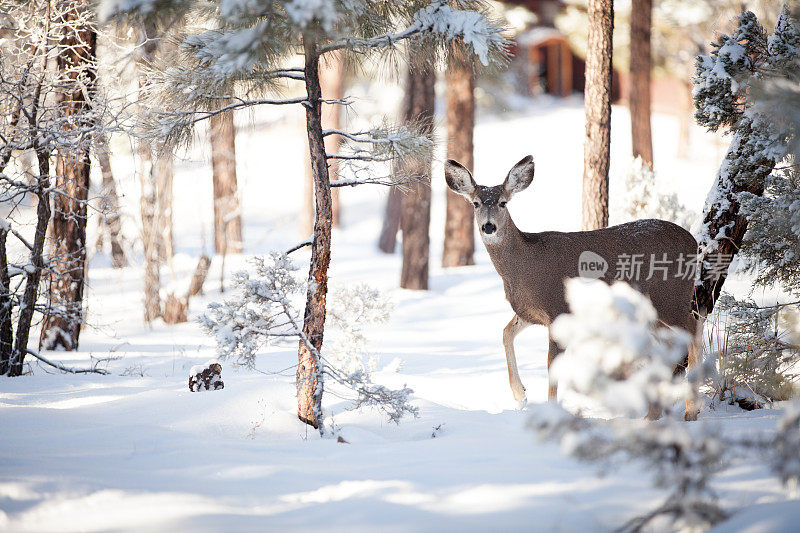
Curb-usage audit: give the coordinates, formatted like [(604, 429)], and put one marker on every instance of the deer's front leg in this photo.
[(552, 352), (509, 333)]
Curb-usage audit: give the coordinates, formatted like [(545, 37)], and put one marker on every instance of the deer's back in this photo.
[(654, 256)]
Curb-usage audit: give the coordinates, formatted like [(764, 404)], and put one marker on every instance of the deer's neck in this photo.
[(508, 251)]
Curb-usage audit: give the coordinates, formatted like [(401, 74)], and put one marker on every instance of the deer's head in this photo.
[(490, 202)]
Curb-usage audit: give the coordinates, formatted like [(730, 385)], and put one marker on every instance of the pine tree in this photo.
[(415, 212), (250, 49), (597, 143), (227, 218), (77, 64), (641, 136), (723, 82), (459, 232)]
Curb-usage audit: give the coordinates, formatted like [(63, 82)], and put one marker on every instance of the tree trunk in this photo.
[(149, 204), (331, 80), (77, 63), (227, 217), (415, 215), (199, 276), (165, 173), (686, 118), (744, 169), (309, 376), (387, 241), (459, 235), (109, 203), (597, 144), (640, 67), (6, 330), (28, 303)]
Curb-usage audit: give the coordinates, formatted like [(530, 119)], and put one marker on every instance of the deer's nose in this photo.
[(488, 228)]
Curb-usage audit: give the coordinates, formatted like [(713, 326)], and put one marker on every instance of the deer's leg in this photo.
[(552, 352), (692, 405), (509, 333)]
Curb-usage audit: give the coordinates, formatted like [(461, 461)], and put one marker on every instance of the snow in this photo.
[(471, 26), (135, 450)]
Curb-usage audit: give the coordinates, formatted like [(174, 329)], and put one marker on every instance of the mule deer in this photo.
[(533, 266)]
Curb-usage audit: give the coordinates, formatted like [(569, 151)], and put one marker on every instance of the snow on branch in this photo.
[(619, 357), (471, 26), (263, 313), (388, 143)]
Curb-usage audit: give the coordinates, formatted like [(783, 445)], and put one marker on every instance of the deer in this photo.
[(534, 266)]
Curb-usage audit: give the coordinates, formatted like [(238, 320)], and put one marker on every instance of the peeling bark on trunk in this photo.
[(641, 135), (459, 234), (415, 214), (227, 217), (62, 328), (109, 204), (597, 144), (387, 242), (309, 376)]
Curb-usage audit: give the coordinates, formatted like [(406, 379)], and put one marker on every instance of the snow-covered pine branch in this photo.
[(619, 358)]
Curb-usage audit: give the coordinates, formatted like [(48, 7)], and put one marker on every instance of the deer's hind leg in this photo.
[(552, 388), (509, 334)]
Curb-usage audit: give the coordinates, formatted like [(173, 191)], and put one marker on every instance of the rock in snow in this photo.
[(206, 377)]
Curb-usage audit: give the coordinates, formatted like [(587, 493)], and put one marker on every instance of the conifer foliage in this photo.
[(723, 96)]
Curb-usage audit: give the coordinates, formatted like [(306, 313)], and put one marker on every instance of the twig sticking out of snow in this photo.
[(92, 370)]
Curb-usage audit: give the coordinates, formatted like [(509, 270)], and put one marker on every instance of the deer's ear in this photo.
[(520, 176), (458, 178)]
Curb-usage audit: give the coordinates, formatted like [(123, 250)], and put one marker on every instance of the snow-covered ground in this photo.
[(135, 450)]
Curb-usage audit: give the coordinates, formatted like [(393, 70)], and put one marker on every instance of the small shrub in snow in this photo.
[(756, 356), (618, 356), (643, 199), (263, 313), (206, 377)]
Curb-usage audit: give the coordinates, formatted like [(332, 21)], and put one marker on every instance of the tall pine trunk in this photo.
[(597, 97), (415, 215), (227, 218), (309, 375), (76, 62), (331, 81), (148, 200), (640, 67), (109, 204), (459, 235)]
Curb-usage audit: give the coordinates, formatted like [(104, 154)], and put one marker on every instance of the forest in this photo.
[(416, 265)]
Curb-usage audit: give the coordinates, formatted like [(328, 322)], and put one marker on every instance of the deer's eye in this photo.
[(476, 204), (502, 204)]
